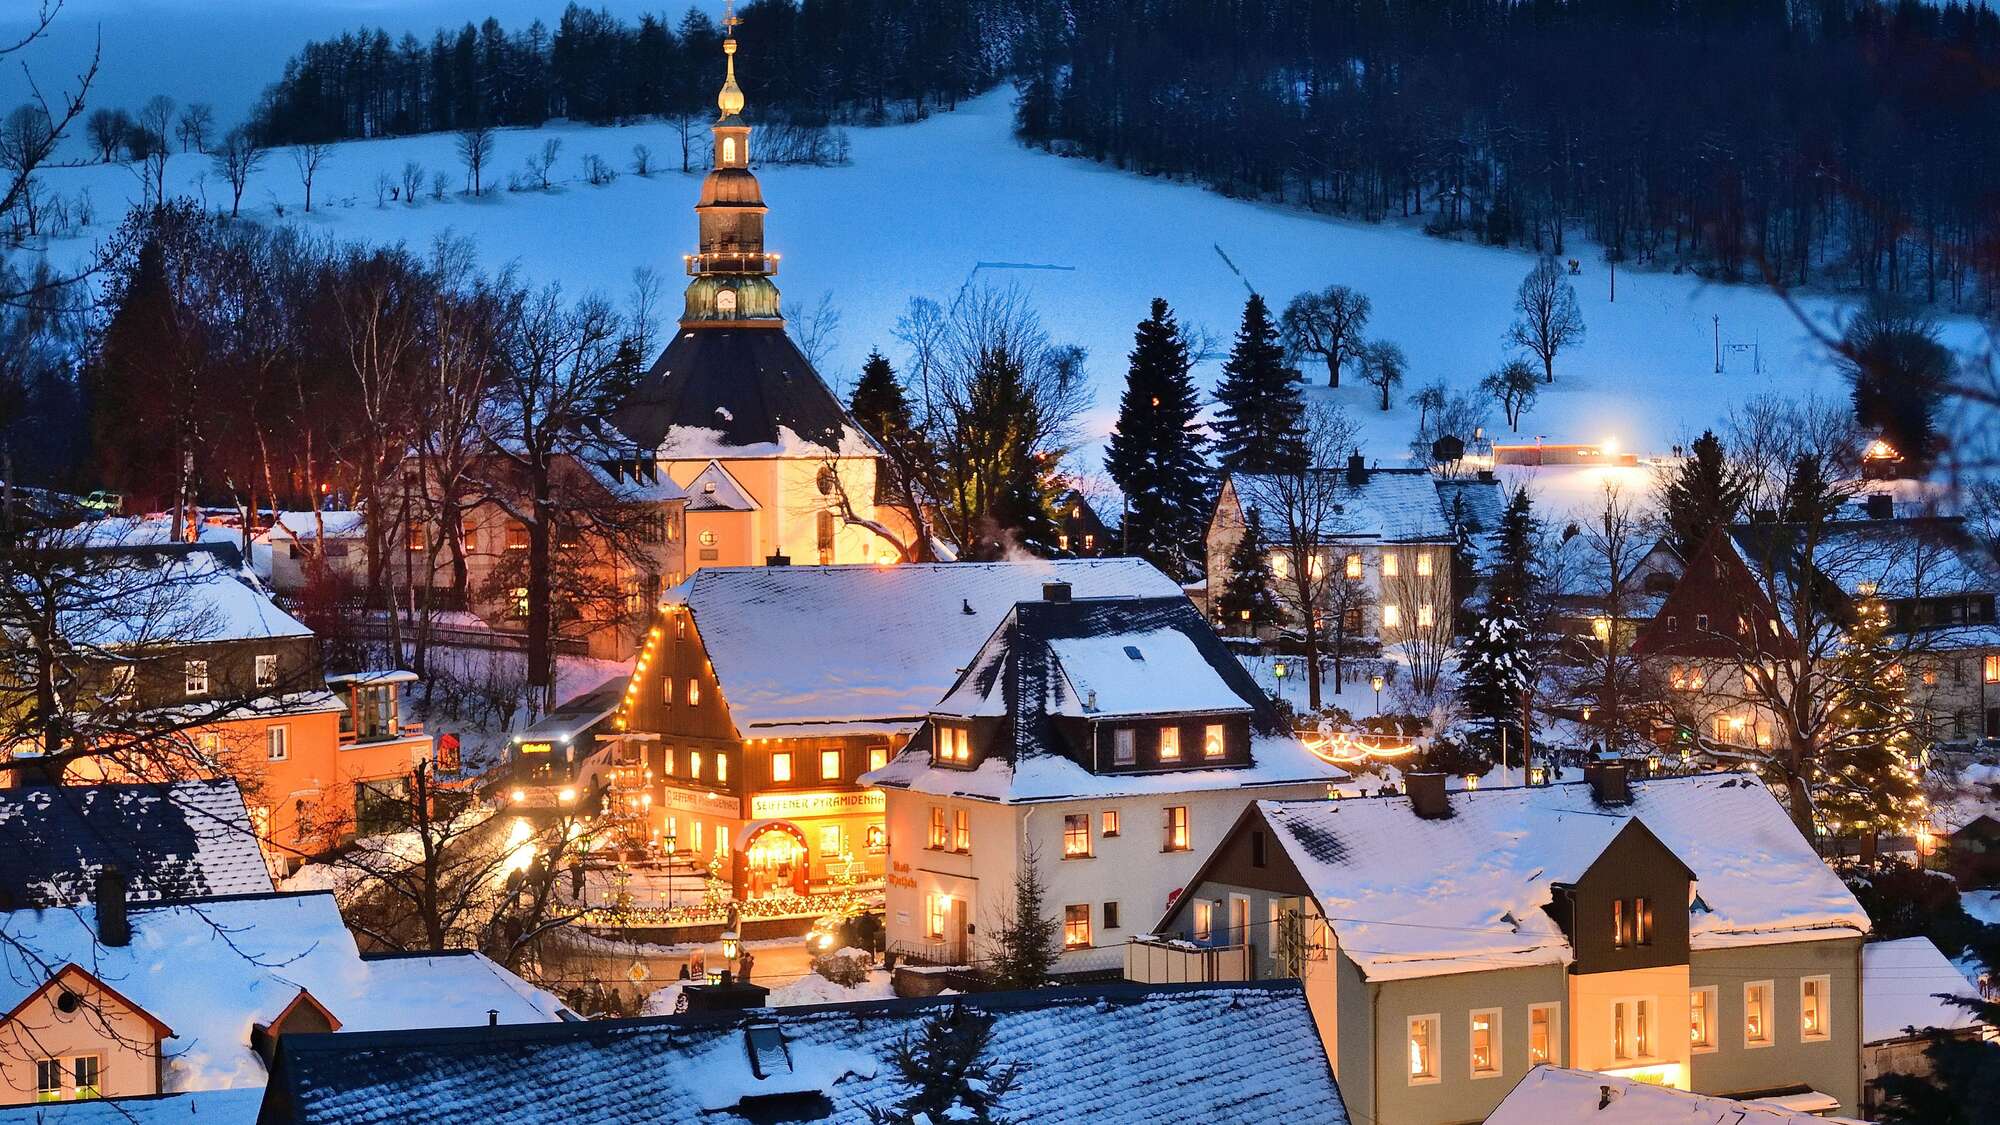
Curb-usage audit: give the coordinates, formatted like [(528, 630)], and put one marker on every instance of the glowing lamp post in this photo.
[(1375, 682)]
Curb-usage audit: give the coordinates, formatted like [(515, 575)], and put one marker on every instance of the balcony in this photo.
[(1158, 960), (731, 261)]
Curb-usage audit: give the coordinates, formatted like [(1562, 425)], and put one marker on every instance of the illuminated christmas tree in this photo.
[(1869, 779)]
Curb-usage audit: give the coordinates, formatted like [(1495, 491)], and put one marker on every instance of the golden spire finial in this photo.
[(730, 99)]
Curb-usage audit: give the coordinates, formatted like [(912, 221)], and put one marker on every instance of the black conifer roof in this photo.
[(746, 383)]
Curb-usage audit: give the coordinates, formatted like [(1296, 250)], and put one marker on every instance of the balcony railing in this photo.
[(731, 261)]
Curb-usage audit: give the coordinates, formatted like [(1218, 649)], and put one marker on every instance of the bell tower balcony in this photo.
[(756, 262)]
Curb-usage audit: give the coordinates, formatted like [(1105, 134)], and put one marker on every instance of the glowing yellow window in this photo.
[(829, 763), (1390, 567), (1425, 617), (1354, 566), (1392, 616), (1212, 742), (1280, 565), (781, 766), (1423, 1049), (1424, 565), (1812, 1009), (1170, 744), (1486, 1043)]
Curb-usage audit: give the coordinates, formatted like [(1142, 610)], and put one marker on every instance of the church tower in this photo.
[(732, 271)]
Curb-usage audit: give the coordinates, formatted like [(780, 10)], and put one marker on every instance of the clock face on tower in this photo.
[(725, 301)]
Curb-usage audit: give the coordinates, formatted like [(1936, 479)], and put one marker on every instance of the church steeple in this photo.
[(732, 272)]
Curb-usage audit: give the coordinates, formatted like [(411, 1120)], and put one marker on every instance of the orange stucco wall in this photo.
[(127, 1045)]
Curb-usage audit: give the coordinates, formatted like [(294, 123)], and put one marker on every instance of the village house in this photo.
[(284, 553), (1111, 1055), (773, 466), (178, 841), (1905, 985), (1677, 931), (1107, 740), (762, 694), (1397, 533), (183, 642), (1738, 602)]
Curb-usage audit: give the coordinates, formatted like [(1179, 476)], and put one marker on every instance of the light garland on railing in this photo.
[(1347, 747)]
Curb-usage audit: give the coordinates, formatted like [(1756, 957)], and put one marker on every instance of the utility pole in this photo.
[(1614, 279), (1717, 319)]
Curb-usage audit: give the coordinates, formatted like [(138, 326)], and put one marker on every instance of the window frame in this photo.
[(278, 742), (778, 758), (195, 678), (961, 831), (1392, 615), (78, 1085), (1432, 1024), (1553, 1024), (1770, 995), (1711, 996), (839, 762), (1076, 926), (1076, 842), (1643, 1035), (1822, 1006), (1170, 743), (1177, 821), (1124, 746), (940, 831), (1111, 921), (1109, 823), (1494, 1049), (1215, 740), (266, 670)]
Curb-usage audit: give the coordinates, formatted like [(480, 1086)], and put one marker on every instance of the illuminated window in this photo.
[(707, 538), (1390, 567), (935, 908), (1423, 1049), (694, 692), (1170, 744), (878, 756), (697, 835), (267, 671), (1110, 820), (728, 152), (1757, 1014), (1204, 920), (278, 742), (694, 763), (1076, 836), (1392, 616), (1485, 1038), (1089, 542), (1354, 566), (49, 1080), (518, 601), (1177, 828), (1992, 668), (197, 677), (1544, 1029), (1076, 926), (667, 690), (415, 538), (1316, 566), (1701, 1019), (832, 841), (781, 765), (721, 767), (1632, 1029), (1631, 922), (940, 837), (1423, 564), (1124, 747), (961, 830), (877, 837), (1280, 565), (517, 535), (829, 763), (124, 681), (1213, 744), (1812, 1009), (1425, 617)]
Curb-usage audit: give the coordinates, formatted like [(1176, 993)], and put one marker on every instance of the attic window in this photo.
[(708, 488), (768, 1054), (1133, 652)]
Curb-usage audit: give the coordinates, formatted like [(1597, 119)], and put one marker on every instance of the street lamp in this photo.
[(1375, 682)]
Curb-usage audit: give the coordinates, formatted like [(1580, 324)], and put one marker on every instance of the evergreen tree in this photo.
[(1155, 451), (1496, 667), (878, 401), (1514, 572), (949, 1078), (1869, 779), (1024, 946), (1260, 410), (1247, 603), (1705, 493), (1007, 475), (1809, 497)]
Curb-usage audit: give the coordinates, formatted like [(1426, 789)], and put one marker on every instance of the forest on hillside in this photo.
[(1827, 142)]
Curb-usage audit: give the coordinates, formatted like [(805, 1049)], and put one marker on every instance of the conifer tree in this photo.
[(1496, 668), (1247, 603), (1869, 779), (878, 401), (1705, 493), (1809, 497), (1024, 943), (949, 1077), (1514, 571), (1260, 410), (1155, 451)]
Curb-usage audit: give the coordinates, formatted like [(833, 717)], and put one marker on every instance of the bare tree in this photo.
[(1327, 324), (819, 329), (236, 159), (58, 112), (412, 182), (1459, 417), (307, 158), (687, 126), (156, 119), (1513, 386), (475, 151), (1548, 319), (642, 161), (543, 162), (1601, 677), (196, 123), (1383, 366), (1304, 516), (107, 129)]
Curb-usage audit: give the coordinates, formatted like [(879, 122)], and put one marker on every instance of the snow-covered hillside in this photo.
[(922, 205)]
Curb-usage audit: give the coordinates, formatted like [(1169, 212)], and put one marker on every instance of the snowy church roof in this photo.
[(1111, 1055), (737, 392), (1414, 897), (868, 644), (184, 840), (211, 969)]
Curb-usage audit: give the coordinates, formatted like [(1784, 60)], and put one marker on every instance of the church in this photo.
[(774, 467)]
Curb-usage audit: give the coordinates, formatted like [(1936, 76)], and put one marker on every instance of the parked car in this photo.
[(110, 503)]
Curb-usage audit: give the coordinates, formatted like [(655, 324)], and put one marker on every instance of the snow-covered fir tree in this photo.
[(1704, 493), (951, 1080), (1246, 602), (1496, 667), (1870, 778), (1260, 409), (1515, 574), (1156, 450)]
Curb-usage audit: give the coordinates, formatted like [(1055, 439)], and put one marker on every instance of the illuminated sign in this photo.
[(771, 806), (696, 800), (536, 747)]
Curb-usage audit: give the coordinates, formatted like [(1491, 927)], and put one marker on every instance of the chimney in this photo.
[(1427, 796), (492, 1017), (1609, 784), (778, 560), (114, 929), (1055, 591), (1881, 506), (1357, 469), (1486, 476)]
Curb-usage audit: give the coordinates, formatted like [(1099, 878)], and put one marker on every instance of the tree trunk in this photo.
[(541, 672)]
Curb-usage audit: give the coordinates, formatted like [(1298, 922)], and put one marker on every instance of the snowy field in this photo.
[(922, 206)]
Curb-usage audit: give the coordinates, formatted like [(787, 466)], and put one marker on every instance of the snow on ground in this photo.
[(1984, 906), (961, 192), (815, 989)]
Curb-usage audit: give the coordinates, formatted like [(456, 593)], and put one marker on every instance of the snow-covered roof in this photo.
[(715, 490), (1110, 1055), (306, 526), (1477, 503), (1157, 671), (1901, 558), (1392, 505), (186, 594), (1552, 1095), (1277, 759), (1413, 897), (184, 840), (212, 969), (201, 1107), (1903, 985), (803, 644)]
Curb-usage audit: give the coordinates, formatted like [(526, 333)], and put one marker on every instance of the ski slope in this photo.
[(921, 206)]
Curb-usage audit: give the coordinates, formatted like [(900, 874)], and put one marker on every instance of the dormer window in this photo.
[(1213, 745), (954, 745), (1170, 744), (1124, 746)]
